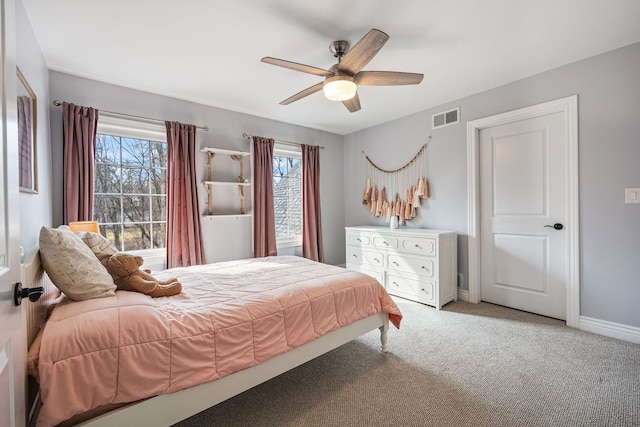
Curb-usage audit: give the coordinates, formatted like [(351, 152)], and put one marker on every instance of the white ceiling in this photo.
[(208, 51)]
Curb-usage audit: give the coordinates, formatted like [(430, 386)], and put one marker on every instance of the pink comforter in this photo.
[(230, 316)]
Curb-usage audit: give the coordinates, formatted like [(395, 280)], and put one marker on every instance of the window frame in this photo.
[(286, 151), (144, 130)]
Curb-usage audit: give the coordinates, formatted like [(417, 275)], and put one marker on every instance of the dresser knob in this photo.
[(355, 256), (418, 246), (377, 260), (386, 243), (395, 283), (396, 264), (359, 240)]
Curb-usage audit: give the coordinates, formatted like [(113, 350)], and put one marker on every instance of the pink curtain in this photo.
[(311, 226), (184, 234), (79, 127), (264, 222)]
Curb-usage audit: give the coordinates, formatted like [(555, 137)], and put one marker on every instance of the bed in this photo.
[(133, 359)]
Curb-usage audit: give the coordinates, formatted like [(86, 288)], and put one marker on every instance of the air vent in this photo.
[(445, 118)]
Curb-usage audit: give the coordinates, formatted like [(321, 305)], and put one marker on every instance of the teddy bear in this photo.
[(126, 269)]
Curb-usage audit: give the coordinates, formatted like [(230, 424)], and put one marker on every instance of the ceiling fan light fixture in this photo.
[(339, 88), (340, 79)]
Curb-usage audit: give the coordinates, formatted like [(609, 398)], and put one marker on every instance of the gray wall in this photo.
[(224, 238), (608, 89), (36, 209)]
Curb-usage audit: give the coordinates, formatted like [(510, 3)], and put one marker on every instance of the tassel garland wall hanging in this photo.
[(408, 181)]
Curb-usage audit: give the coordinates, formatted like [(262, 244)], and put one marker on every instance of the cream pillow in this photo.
[(99, 245), (72, 266)]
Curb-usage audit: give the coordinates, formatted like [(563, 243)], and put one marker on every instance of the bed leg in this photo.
[(383, 335)]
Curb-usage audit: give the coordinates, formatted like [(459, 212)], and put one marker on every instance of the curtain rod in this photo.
[(246, 135), (59, 103)]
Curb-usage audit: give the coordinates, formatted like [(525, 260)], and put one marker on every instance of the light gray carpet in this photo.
[(467, 365)]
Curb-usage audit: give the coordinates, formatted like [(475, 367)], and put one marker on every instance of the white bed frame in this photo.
[(168, 409)]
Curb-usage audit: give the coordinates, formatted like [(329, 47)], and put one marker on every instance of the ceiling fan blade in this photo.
[(306, 92), (352, 104), (387, 78), (295, 66), (363, 51)]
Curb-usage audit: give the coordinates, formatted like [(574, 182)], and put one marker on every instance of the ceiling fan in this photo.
[(342, 79)]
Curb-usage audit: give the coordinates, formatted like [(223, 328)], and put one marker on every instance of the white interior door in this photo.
[(522, 196), (12, 338)]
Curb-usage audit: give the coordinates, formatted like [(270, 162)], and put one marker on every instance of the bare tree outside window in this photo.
[(130, 191), (287, 197)]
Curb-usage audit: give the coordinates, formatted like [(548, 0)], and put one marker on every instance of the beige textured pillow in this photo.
[(99, 245), (72, 266)]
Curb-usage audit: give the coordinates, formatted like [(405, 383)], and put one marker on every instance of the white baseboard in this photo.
[(600, 327), (463, 295), (610, 329)]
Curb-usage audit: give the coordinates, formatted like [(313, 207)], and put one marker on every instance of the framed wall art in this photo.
[(27, 131)]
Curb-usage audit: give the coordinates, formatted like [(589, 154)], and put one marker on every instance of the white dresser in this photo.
[(417, 264)]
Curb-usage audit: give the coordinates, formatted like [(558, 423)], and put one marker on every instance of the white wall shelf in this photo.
[(210, 183), (243, 184), (223, 151), (227, 215)]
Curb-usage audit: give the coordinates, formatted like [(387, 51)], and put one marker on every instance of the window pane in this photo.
[(287, 193), (135, 152), (159, 208), (107, 149), (295, 197), (107, 179), (113, 232), (280, 166), (158, 181), (295, 207), (135, 180), (106, 209), (137, 236), (158, 154), (281, 207), (159, 233), (130, 191), (136, 208)]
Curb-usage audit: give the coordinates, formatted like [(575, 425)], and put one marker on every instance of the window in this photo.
[(287, 197), (130, 185)]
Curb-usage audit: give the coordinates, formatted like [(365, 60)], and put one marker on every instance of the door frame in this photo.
[(569, 107)]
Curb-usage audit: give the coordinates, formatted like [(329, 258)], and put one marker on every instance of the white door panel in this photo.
[(519, 178), (522, 190), (12, 338), (520, 262)]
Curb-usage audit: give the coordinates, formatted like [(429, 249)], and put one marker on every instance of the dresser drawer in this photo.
[(419, 245), (376, 274), (410, 264), (411, 287), (358, 238), (385, 242), (356, 255)]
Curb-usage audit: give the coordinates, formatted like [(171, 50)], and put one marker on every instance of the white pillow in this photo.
[(72, 266)]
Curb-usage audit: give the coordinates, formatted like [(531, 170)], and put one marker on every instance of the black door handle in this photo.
[(557, 226), (19, 292)]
